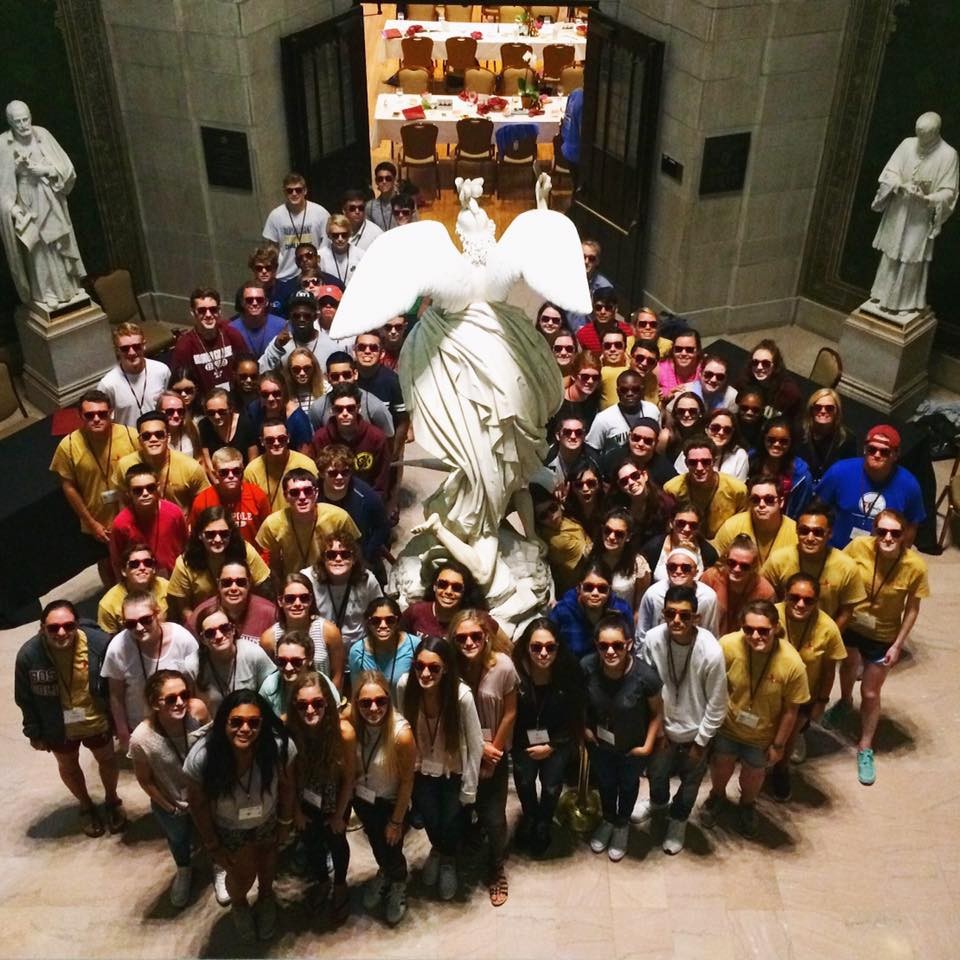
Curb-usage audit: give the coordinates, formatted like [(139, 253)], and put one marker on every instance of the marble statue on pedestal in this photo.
[(36, 176), (479, 379), (917, 193)]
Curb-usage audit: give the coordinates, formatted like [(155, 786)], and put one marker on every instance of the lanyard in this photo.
[(183, 733), (432, 734), (709, 504), (806, 630), (868, 514), (763, 556), (366, 761), (766, 666), (383, 217), (303, 220), (339, 614), (246, 789), (304, 553), (823, 562), (216, 674), (336, 265), (271, 494), (104, 472), (538, 701), (143, 666), (874, 593), (355, 239), (678, 681), (68, 689), (373, 659), (143, 393)]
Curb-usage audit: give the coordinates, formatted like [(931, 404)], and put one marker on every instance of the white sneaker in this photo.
[(431, 869), (180, 890), (220, 885), (676, 831), (601, 837), (645, 811), (448, 881), (396, 902), (618, 843), (799, 752), (373, 891)]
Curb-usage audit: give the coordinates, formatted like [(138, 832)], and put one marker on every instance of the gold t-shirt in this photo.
[(193, 586), (110, 608), (840, 580), (786, 535), (816, 643), (729, 497), (73, 680), (296, 549), (272, 484), (179, 481)]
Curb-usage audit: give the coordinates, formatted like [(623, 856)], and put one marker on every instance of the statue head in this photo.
[(928, 130), (18, 119)]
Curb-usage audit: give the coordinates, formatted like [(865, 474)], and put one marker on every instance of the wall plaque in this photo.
[(227, 158), (724, 167)]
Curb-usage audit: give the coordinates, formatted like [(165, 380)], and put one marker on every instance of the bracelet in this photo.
[(284, 823), (778, 746)]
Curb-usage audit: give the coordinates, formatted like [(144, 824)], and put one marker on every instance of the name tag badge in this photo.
[(110, 496), (486, 733), (313, 798), (537, 737), (74, 715), (364, 793), (748, 719), (253, 812), (431, 768), (860, 532), (606, 736), (864, 619)]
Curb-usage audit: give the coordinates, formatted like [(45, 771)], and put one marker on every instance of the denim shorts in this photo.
[(872, 651), (748, 753)]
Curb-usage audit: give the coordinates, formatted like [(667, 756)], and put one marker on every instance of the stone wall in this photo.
[(731, 261), (181, 64)]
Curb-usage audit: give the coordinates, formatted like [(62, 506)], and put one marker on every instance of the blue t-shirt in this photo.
[(392, 667), (257, 340), (857, 501), (570, 127)]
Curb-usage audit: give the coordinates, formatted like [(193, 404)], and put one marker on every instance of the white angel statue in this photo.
[(479, 378)]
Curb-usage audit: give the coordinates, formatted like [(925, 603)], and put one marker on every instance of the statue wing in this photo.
[(542, 247), (417, 259)]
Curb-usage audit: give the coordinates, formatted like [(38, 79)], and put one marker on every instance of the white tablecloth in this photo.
[(388, 118), (488, 48)]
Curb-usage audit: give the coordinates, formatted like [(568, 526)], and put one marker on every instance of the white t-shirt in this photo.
[(287, 230), (125, 661), (133, 394), (252, 668), (367, 233), (611, 428), (342, 267)]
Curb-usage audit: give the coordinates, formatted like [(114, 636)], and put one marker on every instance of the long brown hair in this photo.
[(320, 752), (449, 689)]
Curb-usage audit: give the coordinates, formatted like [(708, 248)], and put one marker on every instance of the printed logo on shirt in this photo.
[(214, 359), (363, 461), (43, 682), (872, 504), (242, 518)]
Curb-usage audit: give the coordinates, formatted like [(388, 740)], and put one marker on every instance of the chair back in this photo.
[(511, 54), (511, 79), (421, 11), (517, 143), (116, 296), (556, 56), (510, 14), (461, 54), (417, 52), (10, 401), (474, 137), (827, 368), (546, 13), (560, 163), (459, 12), (414, 80), (419, 140), (479, 80), (571, 78)]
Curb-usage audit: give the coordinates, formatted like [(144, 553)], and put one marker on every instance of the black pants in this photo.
[(375, 818), (550, 772), (618, 781), (437, 800), (319, 840), (491, 810)]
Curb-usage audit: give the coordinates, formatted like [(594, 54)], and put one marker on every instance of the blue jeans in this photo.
[(550, 773), (674, 761), (618, 780), (178, 829), (491, 807), (437, 799)]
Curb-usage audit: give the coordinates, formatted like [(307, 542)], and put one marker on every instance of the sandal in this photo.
[(90, 822), (116, 818), (340, 904), (499, 888)]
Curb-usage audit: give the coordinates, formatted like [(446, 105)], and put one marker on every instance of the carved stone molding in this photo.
[(861, 60), (88, 51)]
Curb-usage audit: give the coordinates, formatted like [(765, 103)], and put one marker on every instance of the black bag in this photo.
[(942, 435)]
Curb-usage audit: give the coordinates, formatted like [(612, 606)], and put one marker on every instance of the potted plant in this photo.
[(528, 86)]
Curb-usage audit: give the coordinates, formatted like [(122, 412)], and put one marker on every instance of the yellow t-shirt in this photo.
[(193, 586), (272, 485), (889, 590), (297, 549), (785, 536), (73, 460), (729, 497), (110, 608), (840, 580), (784, 683), (663, 345), (73, 681), (608, 387), (179, 481), (816, 643), (566, 549)]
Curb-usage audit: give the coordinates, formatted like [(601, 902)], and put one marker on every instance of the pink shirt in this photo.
[(668, 379)]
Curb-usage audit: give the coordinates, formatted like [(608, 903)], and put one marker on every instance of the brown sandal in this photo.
[(90, 822), (116, 818), (499, 888)]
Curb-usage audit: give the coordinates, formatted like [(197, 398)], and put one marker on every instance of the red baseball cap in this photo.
[(885, 434), (330, 292)]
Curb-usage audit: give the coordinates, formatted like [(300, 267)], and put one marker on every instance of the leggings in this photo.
[(375, 817), (618, 780), (319, 840), (437, 799)]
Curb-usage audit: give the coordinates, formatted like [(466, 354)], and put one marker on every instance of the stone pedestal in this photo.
[(65, 350), (886, 357)]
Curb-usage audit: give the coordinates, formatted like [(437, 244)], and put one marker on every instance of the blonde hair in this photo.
[(127, 330), (388, 743), (337, 220)]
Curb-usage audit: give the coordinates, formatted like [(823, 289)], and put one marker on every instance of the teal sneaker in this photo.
[(866, 768)]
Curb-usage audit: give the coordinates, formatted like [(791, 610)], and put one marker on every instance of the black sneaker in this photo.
[(749, 821), (780, 783), (710, 810)]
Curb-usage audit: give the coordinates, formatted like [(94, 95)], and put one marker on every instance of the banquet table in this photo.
[(388, 116), (488, 47)]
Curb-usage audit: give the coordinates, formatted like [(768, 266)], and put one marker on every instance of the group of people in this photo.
[(720, 547)]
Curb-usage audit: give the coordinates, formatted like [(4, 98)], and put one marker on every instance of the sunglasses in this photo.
[(718, 430), (572, 433), (221, 630), (671, 613), (255, 301), (226, 473), (644, 360), (145, 488), (132, 348), (295, 662), (882, 452), (354, 207), (172, 412), (384, 178), (143, 621), (403, 211), (685, 350), (713, 375), (474, 636), (216, 534), (238, 723), (744, 408), (206, 312), (824, 408), (613, 345), (763, 632), (340, 377), (590, 257), (216, 412), (686, 524), (680, 568), (643, 438), (617, 646), (291, 598), (367, 348), (884, 532), (588, 377), (537, 647), (185, 391), (587, 484), (301, 493), (234, 582), (685, 413), (367, 702), (147, 562), (387, 621), (777, 441), (646, 324), (738, 564), (432, 668), (276, 441), (614, 534), (338, 555), (395, 327), (305, 368), (604, 307), (625, 481), (561, 348), (153, 435), (57, 628), (549, 318), (804, 531), (763, 364), (699, 462), (290, 190), (767, 499), (172, 699), (800, 598), (318, 705), (452, 585), (344, 408), (271, 394), (334, 472), (602, 588), (339, 236)]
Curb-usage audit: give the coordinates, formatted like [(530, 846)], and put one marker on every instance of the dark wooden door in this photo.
[(621, 100), (325, 94)]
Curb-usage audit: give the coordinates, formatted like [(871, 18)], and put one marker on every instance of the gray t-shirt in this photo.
[(215, 681), (165, 755), (501, 679), (245, 806)]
